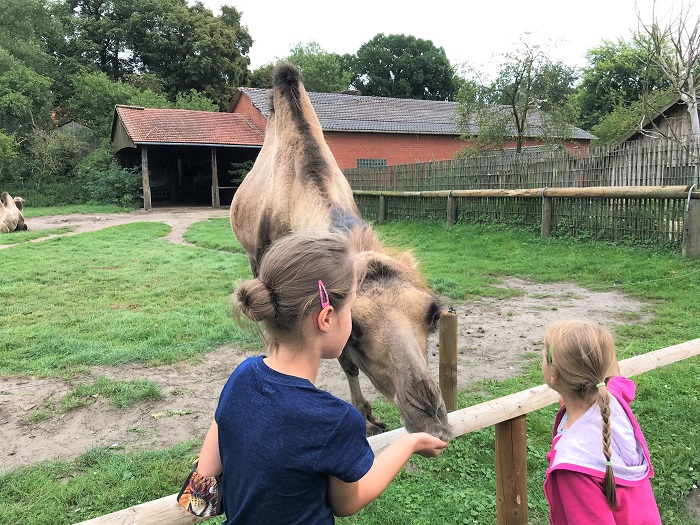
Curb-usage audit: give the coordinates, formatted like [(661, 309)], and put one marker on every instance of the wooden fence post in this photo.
[(546, 229), (382, 210), (451, 210), (691, 229), (448, 358), (511, 472), (145, 178), (215, 200)]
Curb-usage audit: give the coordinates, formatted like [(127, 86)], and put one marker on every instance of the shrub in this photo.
[(106, 182)]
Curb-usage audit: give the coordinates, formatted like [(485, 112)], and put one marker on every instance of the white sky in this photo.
[(477, 32)]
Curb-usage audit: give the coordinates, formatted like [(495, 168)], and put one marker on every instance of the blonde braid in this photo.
[(609, 480)]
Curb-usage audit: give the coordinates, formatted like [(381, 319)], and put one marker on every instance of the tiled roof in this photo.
[(341, 112), (182, 126)]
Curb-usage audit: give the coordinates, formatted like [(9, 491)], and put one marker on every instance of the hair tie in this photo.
[(600, 384), (608, 463)]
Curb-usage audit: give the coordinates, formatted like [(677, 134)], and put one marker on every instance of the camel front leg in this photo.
[(374, 425)]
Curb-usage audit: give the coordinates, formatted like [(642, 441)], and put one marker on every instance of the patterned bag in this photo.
[(200, 495)]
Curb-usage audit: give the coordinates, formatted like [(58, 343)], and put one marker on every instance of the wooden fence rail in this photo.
[(662, 214), (507, 413)]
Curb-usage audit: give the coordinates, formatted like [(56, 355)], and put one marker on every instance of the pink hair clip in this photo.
[(325, 301)]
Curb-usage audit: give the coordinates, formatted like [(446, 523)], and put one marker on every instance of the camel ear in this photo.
[(408, 259)]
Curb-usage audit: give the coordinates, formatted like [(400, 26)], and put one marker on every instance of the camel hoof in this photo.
[(376, 426)]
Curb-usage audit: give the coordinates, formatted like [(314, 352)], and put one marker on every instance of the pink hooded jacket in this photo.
[(574, 480)]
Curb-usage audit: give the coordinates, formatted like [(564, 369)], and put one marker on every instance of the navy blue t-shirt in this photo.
[(280, 438)]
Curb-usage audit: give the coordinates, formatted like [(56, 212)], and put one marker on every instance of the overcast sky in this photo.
[(476, 32)]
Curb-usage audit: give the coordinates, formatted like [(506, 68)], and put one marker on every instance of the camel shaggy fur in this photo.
[(295, 185), (11, 217)]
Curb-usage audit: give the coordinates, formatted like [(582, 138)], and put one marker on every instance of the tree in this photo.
[(94, 98), (626, 118), (194, 100), (25, 97), (675, 49), (618, 73), (262, 77), (402, 66), (9, 150), (528, 85), (25, 26), (320, 70), (185, 47)]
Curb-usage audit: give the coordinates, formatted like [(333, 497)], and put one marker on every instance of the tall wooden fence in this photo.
[(637, 163)]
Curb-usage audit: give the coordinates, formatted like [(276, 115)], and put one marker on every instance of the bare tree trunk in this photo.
[(691, 99)]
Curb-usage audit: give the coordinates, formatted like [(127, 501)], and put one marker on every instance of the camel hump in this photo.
[(287, 78), (288, 87)]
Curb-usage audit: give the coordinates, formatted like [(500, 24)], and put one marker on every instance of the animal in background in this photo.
[(11, 216)]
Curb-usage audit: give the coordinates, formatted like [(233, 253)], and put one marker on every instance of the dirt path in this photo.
[(179, 219), (496, 338)]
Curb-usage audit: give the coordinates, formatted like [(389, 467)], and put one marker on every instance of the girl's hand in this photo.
[(427, 445)]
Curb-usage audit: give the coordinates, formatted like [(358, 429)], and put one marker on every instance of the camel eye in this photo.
[(433, 317)]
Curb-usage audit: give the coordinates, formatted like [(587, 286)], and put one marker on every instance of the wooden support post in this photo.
[(145, 176), (382, 210), (176, 194), (451, 211), (511, 472), (546, 216), (691, 229), (215, 200), (448, 359)]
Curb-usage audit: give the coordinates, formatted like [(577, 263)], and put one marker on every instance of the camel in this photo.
[(295, 185), (11, 217)]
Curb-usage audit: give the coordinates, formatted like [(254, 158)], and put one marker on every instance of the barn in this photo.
[(190, 157), (186, 157), (671, 122)]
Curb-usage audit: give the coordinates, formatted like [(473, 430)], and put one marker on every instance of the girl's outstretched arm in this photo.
[(209, 460), (348, 498)]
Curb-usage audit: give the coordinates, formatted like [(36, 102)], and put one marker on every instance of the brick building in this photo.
[(190, 156), (366, 131)]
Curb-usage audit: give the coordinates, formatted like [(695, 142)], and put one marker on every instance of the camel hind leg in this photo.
[(374, 425)]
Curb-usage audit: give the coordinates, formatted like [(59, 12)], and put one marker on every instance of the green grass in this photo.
[(55, 493), (30, 211), (28, 235), (113, 296), (143, 275), (120, 393), (215, 234)]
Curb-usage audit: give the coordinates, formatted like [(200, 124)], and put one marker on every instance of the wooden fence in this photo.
[(507, 413), (663, 215), (637, 163)]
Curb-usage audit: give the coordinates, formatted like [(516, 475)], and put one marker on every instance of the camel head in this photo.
[(392, 317)]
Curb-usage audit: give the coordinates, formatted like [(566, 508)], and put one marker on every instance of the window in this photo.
[(371, 163)]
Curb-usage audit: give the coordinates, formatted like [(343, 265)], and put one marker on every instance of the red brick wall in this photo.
[(400, 148), (245, 105), (395, 148)]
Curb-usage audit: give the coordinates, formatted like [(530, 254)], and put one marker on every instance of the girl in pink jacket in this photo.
[(599, 465)]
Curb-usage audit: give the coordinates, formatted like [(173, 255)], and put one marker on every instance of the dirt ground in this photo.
[(496, 338)]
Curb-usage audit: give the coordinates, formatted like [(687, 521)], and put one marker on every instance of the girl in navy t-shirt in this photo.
[(289, 453)]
